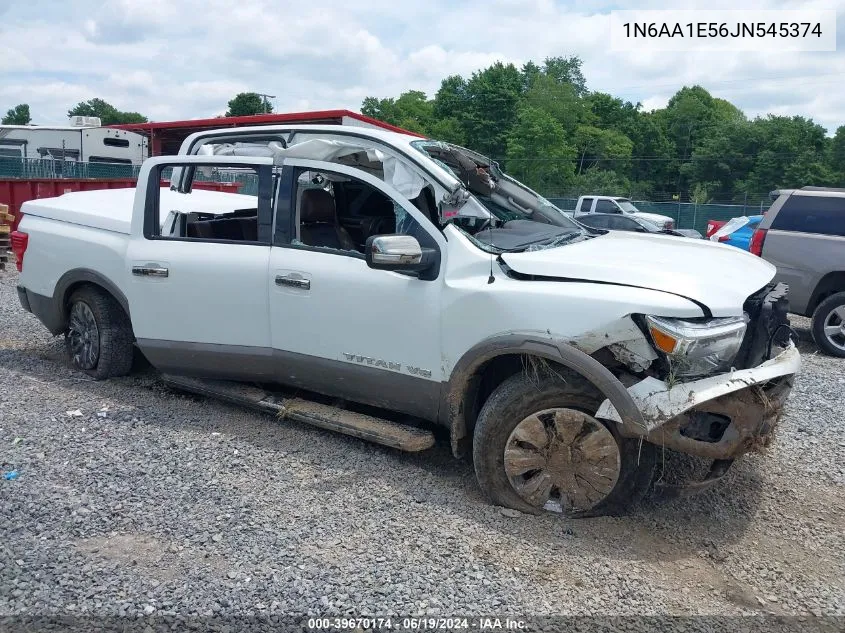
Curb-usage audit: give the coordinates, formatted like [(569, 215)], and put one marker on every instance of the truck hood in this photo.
[(656, 218), (717, 276)]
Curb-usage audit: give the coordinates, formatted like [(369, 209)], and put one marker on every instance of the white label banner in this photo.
[(723, 30)]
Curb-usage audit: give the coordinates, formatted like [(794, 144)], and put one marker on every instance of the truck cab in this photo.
[(611, 204)]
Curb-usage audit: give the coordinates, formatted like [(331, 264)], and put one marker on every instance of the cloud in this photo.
[(186, 59)]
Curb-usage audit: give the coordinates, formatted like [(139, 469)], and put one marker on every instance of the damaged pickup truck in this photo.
[(381, 285)]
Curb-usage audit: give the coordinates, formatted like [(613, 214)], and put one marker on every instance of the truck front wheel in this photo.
[(537, 446), (99, 335)]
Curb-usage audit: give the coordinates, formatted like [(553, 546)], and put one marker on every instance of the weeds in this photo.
[(535, 368)]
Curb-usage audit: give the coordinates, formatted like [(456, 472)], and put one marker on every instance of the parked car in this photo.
[(610, 204), (803, 234), (619, 222), (737, 231), (376, 279)]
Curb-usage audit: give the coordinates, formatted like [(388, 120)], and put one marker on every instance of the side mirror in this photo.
[(397, 252)]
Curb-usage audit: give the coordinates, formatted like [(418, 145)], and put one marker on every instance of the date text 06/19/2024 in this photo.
[(417, 624)]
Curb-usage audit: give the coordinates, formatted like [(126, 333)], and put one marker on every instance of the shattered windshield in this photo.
[(514, 217)]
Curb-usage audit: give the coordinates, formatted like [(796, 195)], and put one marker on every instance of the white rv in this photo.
[(84, 140)]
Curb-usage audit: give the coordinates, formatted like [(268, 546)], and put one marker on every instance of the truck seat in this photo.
[(318, 225)]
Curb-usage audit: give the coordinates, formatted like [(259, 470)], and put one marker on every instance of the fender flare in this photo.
[(452, 409), (86, 275)]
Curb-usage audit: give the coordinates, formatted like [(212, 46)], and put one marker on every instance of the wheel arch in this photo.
[(499, 353), (830, 284), (75, 279)]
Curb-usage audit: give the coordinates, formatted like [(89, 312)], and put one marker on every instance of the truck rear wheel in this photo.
[(536, 446), (828, 326), (99, 336)]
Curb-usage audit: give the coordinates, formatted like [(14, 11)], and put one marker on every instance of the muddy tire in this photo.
[(536, 446), (828, 326), (99, 337)]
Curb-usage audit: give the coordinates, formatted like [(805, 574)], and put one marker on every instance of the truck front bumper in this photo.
[(719, 417)]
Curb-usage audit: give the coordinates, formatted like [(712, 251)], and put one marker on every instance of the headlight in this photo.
[(698, 348)]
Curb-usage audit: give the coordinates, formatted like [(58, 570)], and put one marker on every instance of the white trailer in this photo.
[(82, 141)]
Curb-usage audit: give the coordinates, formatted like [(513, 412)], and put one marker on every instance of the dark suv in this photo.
[(803, 234)]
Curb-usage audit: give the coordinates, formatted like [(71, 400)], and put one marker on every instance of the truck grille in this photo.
[(768, 327)]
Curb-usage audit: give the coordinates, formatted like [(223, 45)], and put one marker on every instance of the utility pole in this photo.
[(265, 97)]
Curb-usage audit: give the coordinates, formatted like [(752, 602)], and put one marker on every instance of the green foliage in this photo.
[(108, 114), (538, 134), (19, 115), (247, 104), (605, 181), (552, 133), (837, 155)]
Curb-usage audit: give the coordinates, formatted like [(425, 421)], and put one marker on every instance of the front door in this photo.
[(339, 327), (196, 277)]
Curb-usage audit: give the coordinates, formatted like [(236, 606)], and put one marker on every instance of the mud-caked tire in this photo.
[(98, 338), (828, 325), (580, 450)]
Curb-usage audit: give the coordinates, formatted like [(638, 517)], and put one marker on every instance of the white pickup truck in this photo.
[(397, 284), (612, 204)]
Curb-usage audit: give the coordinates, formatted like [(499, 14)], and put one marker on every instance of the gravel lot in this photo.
[(152, 502)]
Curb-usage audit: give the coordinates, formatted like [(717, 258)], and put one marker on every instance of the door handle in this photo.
[(150, 271), (293, 282)]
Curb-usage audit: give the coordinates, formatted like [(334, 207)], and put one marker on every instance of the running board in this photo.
[(365, 427)]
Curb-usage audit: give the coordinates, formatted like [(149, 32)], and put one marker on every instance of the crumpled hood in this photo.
[(718, 276)]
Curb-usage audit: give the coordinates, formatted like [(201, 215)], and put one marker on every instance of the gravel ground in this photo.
[(151, 502)]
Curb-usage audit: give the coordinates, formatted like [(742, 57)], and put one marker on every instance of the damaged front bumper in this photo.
[(720, 417)]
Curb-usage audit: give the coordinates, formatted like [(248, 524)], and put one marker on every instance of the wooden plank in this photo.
[(5, 229)]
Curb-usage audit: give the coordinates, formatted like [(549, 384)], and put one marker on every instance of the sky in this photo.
[(180, 59)]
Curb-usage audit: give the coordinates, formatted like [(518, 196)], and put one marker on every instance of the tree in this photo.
[(247, 104), (411, 111), (605, 149), (560, 100), (19, 115), (108, 114), (837, 154), (555, 135), (490, 111), (537, 152), (602, 181), (566, 70)]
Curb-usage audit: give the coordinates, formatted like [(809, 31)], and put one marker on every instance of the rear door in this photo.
[(197, 286), (585, 205)]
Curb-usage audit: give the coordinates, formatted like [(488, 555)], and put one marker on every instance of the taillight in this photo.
[(724, 238), (19, 243), (757, 239)]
